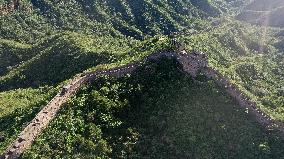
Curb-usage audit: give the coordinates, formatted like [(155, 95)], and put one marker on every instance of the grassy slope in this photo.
[(61, 57), (86, 47), (157, 113), (248, 56), (217, 52), (19, 107), (230, 50), (57, 32), (12, 54)]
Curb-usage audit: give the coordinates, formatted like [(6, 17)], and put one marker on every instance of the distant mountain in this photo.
[(265, 13), (45, 43), (137, 19)]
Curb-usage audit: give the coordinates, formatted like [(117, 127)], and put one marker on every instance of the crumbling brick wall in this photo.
[(242, 99), (192, 63), (9, 7)]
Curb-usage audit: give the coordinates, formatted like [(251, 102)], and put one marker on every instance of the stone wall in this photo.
[(9, 7), (42, 119), (242, 99), (192, 63)]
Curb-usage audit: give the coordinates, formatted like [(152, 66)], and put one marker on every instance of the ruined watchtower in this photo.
[(194, 62)]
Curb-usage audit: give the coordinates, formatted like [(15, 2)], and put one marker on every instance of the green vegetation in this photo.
[(12, 54), (158, 112), (40, 18), (19, 107), (249, 58), (61, 57)]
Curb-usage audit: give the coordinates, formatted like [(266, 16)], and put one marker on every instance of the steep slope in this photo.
[(38, 18), (17, 108), (46, 42), (29, 110), (61, 57), (265, 13), (251, 57), (12, 54), (263, 5), (158, 112), (29, 24), (44, 24)]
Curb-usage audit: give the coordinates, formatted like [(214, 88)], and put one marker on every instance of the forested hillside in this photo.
[(137, 19), (158, 112), (45, 43), (265, 13)]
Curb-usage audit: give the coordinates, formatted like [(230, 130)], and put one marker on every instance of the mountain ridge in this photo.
[(45, 43), (191, 64)]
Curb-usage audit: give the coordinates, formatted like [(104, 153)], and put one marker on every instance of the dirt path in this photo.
[(191, 63)]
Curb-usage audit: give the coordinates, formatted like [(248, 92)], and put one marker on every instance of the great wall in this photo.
[(9, 7), (192, 64)]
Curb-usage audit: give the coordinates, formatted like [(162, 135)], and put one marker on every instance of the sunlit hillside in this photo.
[(159, 111), (265, 13)]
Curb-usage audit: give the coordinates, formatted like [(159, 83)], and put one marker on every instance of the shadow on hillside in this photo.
[(52, 70), (11, 125), (177, 118), (157, 112)]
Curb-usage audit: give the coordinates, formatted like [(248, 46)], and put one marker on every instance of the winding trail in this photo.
[(192, 64)]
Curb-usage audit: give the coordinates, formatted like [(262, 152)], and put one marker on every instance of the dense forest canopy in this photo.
[(45, 43)]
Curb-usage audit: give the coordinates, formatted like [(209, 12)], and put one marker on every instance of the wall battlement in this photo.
[(192, 64)]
